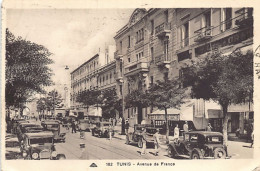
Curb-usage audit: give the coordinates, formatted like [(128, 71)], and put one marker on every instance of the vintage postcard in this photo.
[(122, 85)]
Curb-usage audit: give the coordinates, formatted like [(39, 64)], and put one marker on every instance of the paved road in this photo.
[(103, 148)]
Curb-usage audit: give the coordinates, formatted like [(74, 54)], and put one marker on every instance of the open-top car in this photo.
[(40, 145), (84, 125), (199, 145), (136, 136), (101, 129), (54, 127)]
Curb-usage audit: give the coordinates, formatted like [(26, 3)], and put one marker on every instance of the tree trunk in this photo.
[(225, 124), (140, 114), (167, 126)]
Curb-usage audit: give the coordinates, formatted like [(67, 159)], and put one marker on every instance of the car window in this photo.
[(214, 139), (193, 138), (187, 137), (150, 131), (41, 140), (106, 124)]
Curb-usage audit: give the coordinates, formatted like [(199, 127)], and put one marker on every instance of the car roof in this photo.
[(44, 134), (106, 122), (206, 133), (26, 123), (51, 122)]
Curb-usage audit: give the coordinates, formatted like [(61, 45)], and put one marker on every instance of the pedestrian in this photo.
[(209, 127), (176, 133), (110, 130), (186, 127), (143, 152), (156, 142), (252, 139), (126, 131), (73, 126)]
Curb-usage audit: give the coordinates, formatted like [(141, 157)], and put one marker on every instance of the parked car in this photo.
[(101, 129), (21, 129), (84, 125), (40, 145), (54, 127), (199, 145), (136, 136), (16, 123)]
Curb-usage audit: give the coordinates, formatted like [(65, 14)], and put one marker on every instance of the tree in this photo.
[(26, 70), (42, 105), (110, 103), (54, 101), (225, 79), (166, 94), (137, 98), (89, 98)]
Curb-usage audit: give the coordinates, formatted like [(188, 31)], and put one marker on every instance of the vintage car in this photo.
[(39, 146), (83, 125), (101, 129), (54, 127), (16, 123), (66, 121), (21, 129), (136, 136), (199, 145)]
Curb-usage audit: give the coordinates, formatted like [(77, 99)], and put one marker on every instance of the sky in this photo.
[(72, 35)]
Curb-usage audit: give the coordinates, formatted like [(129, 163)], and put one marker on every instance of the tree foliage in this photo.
[(225, 79), (26, 69), (137, 98), (89, 97)]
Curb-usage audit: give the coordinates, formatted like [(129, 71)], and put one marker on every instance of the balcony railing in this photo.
[(162, 60), (136, 68), (119, 76), (163, 30), (245, 17), (203, 34), (118, 55)]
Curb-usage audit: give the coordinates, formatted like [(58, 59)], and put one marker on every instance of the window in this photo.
[(129, 41), (137, 57), (184, 35), (226, 18), (193, 138), (166, 13), (129, 88), (206, 20), (139, 35), (151, 80), (165, 76), (121, 46), (152, 55), (152, 27), (121, 89), (166, 50), (129, 59)]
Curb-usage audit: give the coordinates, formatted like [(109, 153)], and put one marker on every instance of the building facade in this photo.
[(157, 44), (97, 73)]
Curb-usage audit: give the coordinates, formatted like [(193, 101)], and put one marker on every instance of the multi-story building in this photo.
[(158, 43), (96, 73)]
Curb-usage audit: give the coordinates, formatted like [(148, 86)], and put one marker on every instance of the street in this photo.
[(103, 148)]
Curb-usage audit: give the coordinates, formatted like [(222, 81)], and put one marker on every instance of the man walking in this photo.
[(186, 127), (156, 142), (126, 131), (176, 133), (73, 126), (143, 152)]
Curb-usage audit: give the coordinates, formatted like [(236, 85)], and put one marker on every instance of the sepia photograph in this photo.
[(128, 84)]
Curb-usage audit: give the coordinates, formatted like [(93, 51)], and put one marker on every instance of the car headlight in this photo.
[(35, 155), (24, 153), (54, 154)]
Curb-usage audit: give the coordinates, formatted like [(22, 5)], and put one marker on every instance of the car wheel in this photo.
[(170, 152), (28, 158), (61, 157), (220, 153), (140, 143), (196, 154)]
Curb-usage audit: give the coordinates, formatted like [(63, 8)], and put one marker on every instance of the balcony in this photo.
[(136, 68), (203, 34), (163, 30), (245, 17), (118, 55), (119, 77), (162, 60)]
